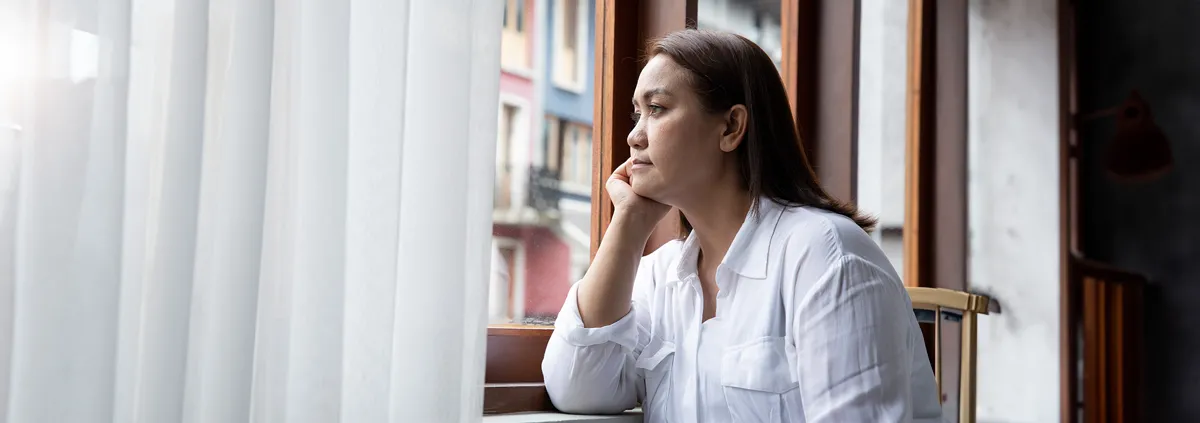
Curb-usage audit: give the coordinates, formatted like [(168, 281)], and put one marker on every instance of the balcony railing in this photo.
[(544, 189)]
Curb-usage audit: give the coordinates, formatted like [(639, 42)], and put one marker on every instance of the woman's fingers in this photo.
[(618, 186), (622, 172)]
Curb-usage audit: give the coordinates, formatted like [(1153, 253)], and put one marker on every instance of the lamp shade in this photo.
[(1139, 150)]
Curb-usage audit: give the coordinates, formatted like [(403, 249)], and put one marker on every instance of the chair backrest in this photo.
[(947, 302)]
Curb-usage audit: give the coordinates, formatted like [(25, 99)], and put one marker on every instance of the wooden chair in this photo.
[(932, 305)]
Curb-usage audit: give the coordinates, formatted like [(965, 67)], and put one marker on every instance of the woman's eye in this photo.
[(654, 110)]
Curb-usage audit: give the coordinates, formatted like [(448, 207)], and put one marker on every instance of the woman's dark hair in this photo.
[(726, 70)]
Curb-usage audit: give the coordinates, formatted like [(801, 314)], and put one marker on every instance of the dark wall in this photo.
[(1153, 227)]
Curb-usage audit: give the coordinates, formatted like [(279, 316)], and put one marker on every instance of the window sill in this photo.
[(575, 87), (547, 417), (521, 71)]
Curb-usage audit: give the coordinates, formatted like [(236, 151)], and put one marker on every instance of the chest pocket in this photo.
[(757, 379), (655, 363)]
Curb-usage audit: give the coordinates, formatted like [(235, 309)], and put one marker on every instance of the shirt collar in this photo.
[(749, 252)]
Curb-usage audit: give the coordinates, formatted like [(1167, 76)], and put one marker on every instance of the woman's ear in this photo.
[(736, 121)]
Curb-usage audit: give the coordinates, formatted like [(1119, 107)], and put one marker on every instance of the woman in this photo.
[(777, 307)]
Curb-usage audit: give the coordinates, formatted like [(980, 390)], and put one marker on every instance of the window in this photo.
[(577, 158), (504, 139), (570, 60), (757, 21), (508, 281), (542, 209), (569, 153), (515, 43)]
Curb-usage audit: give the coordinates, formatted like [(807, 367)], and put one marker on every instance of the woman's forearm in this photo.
[(605, 291)]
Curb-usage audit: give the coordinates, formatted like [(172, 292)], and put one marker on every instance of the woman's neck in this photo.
[(716, 216)]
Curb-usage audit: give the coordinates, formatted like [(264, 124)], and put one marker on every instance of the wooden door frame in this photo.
[(1067, 205)]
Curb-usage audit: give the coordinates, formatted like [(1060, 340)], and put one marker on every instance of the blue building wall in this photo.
[(566, 104)]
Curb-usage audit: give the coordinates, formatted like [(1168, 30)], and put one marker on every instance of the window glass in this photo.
[(757, 20), (882, 119), (542, 209), (516, 45), (569, 23)]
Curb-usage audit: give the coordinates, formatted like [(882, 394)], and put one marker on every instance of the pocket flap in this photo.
[(654, 353), (759, 365)]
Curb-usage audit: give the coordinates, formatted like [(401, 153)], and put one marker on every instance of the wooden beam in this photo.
[(950, 146), (935, 218), (515, 398), (662, 17), (616, 75), (944, 244), (514, 353), (1069, 292), (622, 33), (798, 29), (820, 70), (920, 152)]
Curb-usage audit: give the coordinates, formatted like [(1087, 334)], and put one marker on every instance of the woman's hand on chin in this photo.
[(638, 210)]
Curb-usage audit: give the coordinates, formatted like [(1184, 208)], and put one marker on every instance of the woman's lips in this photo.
[(640, 164)]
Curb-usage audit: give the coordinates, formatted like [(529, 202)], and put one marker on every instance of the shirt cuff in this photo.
[(569, 326)]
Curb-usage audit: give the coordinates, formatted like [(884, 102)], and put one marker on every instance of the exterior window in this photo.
[(504, 140), (570, 60), (515, 44), (542, 210)]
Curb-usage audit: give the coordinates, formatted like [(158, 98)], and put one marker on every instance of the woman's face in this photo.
[(676, 145)]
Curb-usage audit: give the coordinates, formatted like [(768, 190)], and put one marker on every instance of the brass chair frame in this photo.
[(971, 306)]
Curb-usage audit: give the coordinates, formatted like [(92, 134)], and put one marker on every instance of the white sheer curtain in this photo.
[(245, 210)]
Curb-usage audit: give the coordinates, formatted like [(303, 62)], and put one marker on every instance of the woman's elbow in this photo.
[(579, 389), (579, 397)]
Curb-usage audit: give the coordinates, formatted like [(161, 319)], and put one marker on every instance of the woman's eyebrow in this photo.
[(653, 92)]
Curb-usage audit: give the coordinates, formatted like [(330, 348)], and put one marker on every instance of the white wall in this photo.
[(883, 59), (1014, 223), (883, 62)]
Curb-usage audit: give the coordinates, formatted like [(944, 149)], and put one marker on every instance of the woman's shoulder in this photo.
[(819, 239)]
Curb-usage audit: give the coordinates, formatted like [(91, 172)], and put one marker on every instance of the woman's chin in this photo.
[(648, 191), (643, 189)]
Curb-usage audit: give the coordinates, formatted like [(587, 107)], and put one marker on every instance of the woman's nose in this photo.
[(637, 137)]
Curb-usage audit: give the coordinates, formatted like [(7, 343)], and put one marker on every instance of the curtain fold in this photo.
[(245, 210)]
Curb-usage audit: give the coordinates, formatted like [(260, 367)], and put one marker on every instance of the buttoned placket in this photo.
[(692, 342), (688, 359)]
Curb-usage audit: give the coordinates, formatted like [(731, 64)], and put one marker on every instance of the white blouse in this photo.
[(812, 325)]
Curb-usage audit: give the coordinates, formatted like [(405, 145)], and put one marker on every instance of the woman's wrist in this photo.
[(635, 223)]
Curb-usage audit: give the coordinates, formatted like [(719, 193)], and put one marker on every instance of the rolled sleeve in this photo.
[(569, 326), (591, 370)]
